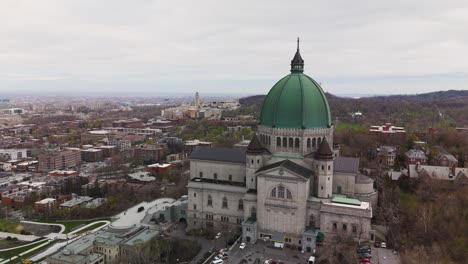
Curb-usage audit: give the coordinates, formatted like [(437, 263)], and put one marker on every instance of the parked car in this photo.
[(242, 245), (383, 244), (365, 255), (363, 250), (377, 244), (218, 235), (364, 260)]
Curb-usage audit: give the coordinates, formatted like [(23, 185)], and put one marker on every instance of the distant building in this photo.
[(243, 144), (388, 130), (129, 123), (190, 145), (233, 129), (148, 153), (387, 155), (59, 160), (92, 155), (121, 144), (45, 205), (453, 174), (107, 151), (415, 156), (445, 159), (159, 168), (13, 154), (63, 173)]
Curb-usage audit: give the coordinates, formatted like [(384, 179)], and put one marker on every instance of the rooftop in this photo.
[(346, 164), (76, 201), (291, 166), (133, 216), (218, 154)]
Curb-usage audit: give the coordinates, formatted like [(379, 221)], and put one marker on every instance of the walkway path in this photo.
[(26, 245), (72, 236)]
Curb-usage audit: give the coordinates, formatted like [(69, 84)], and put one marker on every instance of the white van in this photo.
[(311, 260), (218, 261)]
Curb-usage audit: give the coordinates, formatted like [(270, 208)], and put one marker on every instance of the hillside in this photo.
[(416, 112)]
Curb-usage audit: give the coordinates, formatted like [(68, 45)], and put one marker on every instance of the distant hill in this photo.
[(416, 112)]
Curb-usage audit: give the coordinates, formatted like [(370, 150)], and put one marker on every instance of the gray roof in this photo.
[(346, 164), (416, 154), (291, 166), (218, 154)]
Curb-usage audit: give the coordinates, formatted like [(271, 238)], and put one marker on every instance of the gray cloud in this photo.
[(349, 46)]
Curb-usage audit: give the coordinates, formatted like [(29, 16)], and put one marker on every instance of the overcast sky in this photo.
[(153, 47)]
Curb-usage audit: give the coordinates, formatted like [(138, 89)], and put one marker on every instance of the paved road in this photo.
[(385, 256)]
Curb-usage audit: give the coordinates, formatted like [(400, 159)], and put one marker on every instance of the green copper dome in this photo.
[(296, 101)]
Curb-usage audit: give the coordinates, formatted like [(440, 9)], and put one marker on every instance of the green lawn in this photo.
[(91, 227), (13, 252), (34, 252), (71, 225), (10, 226)]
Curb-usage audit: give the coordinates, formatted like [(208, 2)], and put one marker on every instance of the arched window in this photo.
[(210, 201), (215, 176), (291, 142), (296, 143), (285, 142), (241, 205), (269, 140), (278, 142), (280, 192), (273, 192), (308, 143), (319, 140), (225, 203), (314, 143)]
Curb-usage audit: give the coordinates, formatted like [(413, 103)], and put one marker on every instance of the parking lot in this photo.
[(262, 251)]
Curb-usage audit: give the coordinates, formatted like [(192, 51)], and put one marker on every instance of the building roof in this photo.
[(346, 164), (218, 154), (343, 200), (291, 166), (324, 151), (415, 154), (296, 101), (255, 147)]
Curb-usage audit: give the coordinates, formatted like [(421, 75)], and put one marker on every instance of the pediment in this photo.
[(286, 169)]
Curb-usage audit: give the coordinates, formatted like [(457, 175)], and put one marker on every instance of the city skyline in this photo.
[(122, 47)]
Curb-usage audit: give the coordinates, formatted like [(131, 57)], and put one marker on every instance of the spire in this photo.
[(324, 151), (297, 63), (255, 147)]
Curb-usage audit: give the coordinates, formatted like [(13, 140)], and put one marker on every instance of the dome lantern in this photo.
[(297, 63)]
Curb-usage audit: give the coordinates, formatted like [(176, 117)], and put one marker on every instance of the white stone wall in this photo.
[(364, 188), (198, 207), (268, 137), (222, 169), (278, 214), (344, 180), (360, 218), (324, 171)]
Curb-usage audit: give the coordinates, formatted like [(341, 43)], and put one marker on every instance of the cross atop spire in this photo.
[(297, 63)]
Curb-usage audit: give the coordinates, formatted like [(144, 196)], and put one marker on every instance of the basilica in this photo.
[(290, 186)]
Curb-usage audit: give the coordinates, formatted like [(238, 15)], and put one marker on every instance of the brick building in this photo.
[(59, 160)]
